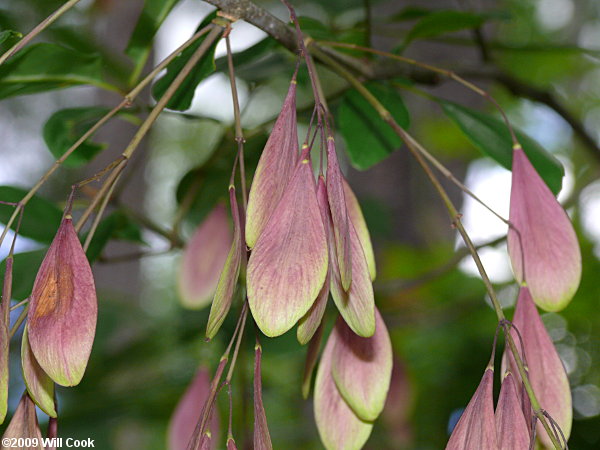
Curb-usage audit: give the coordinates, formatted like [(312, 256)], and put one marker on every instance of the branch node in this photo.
[(227, 15)]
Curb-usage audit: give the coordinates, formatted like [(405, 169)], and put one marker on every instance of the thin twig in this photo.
[(448, 174), (264, 20), (108, 183), (309, 63), (230, 422), (214, 33), (239, 134), (557, 429), (127, 100), (445, 72), (103, 205), (18, 305), (19, 321), (237, 347), (38, 29), (5, 308), (216, 383), (438, 164)]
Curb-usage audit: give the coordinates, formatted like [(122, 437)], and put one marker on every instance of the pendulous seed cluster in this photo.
[(300, 239)]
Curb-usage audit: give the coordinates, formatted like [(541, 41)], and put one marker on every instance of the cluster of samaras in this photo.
[(546, 261), (306, 238)]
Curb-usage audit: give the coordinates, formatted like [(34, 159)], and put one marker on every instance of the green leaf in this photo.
[(126, 229), (8, 38), (25, 267), (115, 226), (152, 16), (41, 217), (84, 41), (182, 99), (316, 29), (410, 13), (66, 126), (492, 137), (206, 187), (368, 138), (43, 67), (355, 34), (8, 21), (248, 56), (264, 68), (258, 63), (334, 7), (544, 67), (443, 22)]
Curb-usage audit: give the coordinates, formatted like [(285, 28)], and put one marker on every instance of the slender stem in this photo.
[(230, 424), (493, 356), (93, 178), (195, 440), (216, 381), (38, 29), (245, 397), (164, 63), (385, 114), (237, 346), (448, 174), (8, 279), (310, 125), (103, 205), (18, 305), (243, 176), (304, 52), (456, 222), (320, 98), (108, 183), (443, 169), (214, 33), (239, 134), (445, 72), (19, 321)]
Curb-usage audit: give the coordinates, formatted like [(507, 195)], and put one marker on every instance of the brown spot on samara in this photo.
[(55, 293)]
